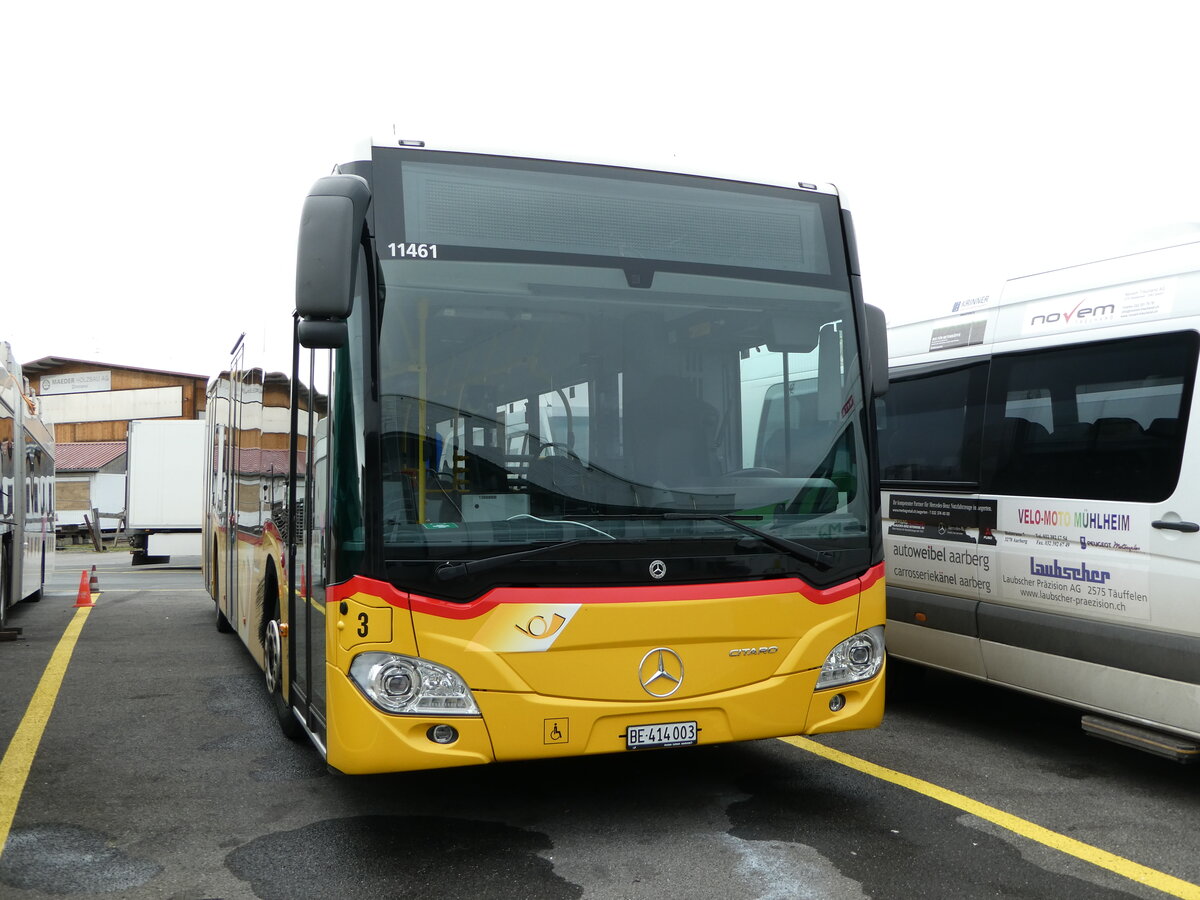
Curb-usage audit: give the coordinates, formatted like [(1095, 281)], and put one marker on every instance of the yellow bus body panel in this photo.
[(557, 678), (363, 740)]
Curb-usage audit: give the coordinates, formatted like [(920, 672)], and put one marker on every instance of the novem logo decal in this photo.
[(1080, 312)]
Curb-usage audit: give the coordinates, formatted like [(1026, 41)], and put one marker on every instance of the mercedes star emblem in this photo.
[(658, 569), (661, 672)]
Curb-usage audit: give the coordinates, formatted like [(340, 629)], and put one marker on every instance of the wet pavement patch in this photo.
[(895, 843), (437, 858), (68, 859)]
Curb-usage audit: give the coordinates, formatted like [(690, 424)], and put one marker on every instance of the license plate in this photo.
[(668, 734)]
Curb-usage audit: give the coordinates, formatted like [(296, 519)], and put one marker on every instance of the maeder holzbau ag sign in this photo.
[(76, 383)]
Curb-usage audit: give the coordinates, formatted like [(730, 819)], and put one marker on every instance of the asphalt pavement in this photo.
[(161, 773)]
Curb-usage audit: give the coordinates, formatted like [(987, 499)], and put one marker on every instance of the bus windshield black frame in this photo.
[(578, 355)]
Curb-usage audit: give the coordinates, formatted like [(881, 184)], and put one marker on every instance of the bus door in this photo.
[(232, 467), (308, 550), (8, 503)]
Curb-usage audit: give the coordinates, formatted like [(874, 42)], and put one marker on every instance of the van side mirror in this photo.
[(331, 225)]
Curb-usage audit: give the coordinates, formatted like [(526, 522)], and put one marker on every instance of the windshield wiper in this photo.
[(820, 558), (448, 571)]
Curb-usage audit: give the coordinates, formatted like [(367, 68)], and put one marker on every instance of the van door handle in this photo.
[(1189, 527)]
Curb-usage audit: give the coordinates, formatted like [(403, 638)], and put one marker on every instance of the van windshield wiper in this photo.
[(448, 571), (821, 558)]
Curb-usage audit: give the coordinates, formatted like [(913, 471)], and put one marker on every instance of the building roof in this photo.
[(47, 363), (86, 457), (253, 461)]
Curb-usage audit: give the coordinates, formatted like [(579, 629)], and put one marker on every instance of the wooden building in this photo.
[(94, 401), (91, 405)]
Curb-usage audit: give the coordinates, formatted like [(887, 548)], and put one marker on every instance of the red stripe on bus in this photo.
[(246, 536), (647, 594), (874, 575)]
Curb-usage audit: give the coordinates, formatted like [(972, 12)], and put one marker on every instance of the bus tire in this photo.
[(272, 639), (223, 625), (273, 675)]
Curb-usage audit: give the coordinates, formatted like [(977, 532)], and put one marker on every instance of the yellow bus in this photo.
[(521, 495)]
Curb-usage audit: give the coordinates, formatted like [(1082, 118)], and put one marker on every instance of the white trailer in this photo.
[(164, 489)]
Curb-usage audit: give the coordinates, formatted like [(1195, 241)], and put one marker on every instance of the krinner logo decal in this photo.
[(968, 305)]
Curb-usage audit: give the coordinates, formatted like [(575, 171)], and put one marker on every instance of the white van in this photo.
[(1039, 461)]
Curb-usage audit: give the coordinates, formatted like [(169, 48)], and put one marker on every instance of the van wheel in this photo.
[(905, 680)]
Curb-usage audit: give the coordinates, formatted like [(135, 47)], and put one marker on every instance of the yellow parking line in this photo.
[(1153, 878), (18, 759), (156, 591)]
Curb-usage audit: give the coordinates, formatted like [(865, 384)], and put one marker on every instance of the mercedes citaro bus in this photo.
[(505, 504)]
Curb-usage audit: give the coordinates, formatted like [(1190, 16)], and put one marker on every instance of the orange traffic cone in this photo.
[(93, 582), (85, 592)]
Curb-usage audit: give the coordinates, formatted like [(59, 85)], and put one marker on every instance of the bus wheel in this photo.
[(273, 673), (223, 625)]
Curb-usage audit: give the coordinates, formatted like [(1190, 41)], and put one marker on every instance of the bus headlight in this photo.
[(412, 686), (857, 658)]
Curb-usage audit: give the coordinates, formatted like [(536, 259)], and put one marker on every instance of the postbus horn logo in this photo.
[(539, 629)]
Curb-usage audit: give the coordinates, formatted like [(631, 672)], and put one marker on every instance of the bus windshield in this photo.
[(545, 378)]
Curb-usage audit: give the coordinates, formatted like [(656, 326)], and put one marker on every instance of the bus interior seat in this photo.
[(1163, 429), (1116, 429), (671, 435), (1021, 456), (557, 484), (1119, 450), (485, 471)]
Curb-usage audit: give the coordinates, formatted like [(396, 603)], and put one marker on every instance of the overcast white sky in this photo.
[(157, 154)]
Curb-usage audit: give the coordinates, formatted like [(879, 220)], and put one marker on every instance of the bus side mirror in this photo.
[(877, 347), (322, 334), (331, 225)]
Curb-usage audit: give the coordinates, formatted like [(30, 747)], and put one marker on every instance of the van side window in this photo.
[(929, 424), (1097, 421)]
